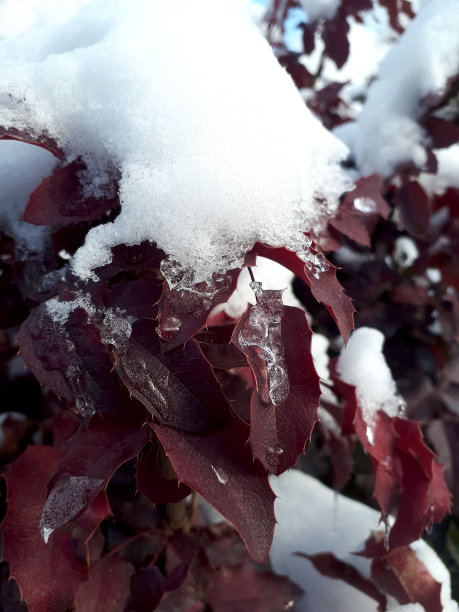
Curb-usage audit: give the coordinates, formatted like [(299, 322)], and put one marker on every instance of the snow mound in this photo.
[(187, 104), (388, 133)]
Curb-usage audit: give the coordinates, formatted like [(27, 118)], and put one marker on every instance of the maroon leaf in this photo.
[(137, 298), (308, 38), (60, 200), (48, 574), (335, 39), (402, 575), (70, 358), (413, 204), (324, 285), (247, 588), (366, 197), (178, 388), (277, 343), (347, 223), (153, 482), (90, 459), (220, 467), (442, 133), (328, 565), (183, 312), (107, 588), (215, 344)]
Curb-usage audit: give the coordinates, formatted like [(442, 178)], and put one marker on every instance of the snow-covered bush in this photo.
[(168, 170)]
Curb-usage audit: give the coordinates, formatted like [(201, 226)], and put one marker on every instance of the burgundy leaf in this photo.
[(442, 133), (183, 312), (178, 388), (107, 588), (309, 31), (413, 204), (392, 7), (332, 567), (366, 197), (324, 285), (402, 575), (136, 258), (137, 298), (48, 574), (348, 224), (247, 588), (335, 39), (215, 344), (60, 200), (90, 459), (152, 480), (70, 358), (276, 340), (220, 467)]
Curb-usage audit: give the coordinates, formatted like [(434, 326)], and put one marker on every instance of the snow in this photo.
[(388, 134), (212, 141), (314, 519), (362, 364), (405, 251), (22, 168), (447, 174)]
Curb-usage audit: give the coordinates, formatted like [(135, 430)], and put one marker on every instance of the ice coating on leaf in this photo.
[(362, 364), (229, 128), (222, 476), (264, 331), (387, 130), (67, 498)]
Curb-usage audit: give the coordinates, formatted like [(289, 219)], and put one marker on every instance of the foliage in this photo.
[(148, 395)]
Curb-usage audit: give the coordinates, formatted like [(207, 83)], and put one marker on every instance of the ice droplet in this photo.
[(222, 476), (365, 205), (274, 455), (264, 331), (69, 495)]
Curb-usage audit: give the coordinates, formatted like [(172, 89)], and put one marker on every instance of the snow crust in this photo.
[(420, 64), (314, 519), (185, 101), (362, 364)]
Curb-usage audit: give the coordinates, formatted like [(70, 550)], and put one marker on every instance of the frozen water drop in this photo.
[(274, 455), (365, 205)]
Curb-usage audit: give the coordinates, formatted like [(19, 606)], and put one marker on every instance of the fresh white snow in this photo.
[(420, 64), (362, 364), (186, 100)]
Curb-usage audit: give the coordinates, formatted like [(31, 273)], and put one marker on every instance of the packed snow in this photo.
[(213, 143), (320, 9), (362, 364), (312, 518), (419, 65)]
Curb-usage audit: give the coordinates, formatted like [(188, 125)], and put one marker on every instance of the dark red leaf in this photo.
[(366, 197), (402, 575), (153, 482), (247, 588), (442, 133), (335, 39), (308, 37), (70, 358), (324, 285), (183, 312), (90, 459), (413, 204), (137, 298), (60, 200), (328, 565), (216, 346), (178, 388), (107, 588), (392, 7), (220, 467), (48, 574), (276, 340), (348, 224)]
